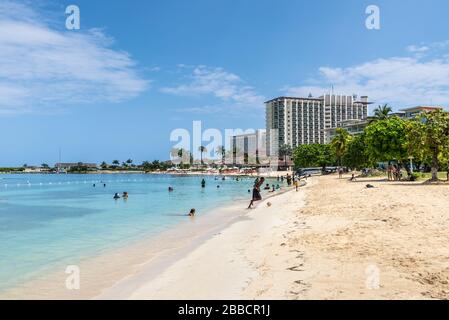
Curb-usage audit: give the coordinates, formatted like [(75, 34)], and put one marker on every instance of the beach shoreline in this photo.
[(333, 240), (105, 271)]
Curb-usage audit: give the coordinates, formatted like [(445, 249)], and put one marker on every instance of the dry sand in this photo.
[(334, 239)]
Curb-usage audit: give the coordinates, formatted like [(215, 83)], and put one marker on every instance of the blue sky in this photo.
[(136, 70)]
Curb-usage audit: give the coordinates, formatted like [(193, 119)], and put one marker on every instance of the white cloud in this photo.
[(399, 81), (417, 49), (227, 87), (42, 68)]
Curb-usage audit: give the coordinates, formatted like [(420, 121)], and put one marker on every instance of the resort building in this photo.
[(248, 148), (296, 121), (355, 127), (68, 166), (410, 113)]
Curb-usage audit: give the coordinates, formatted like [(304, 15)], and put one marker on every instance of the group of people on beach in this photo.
[(394, 172)]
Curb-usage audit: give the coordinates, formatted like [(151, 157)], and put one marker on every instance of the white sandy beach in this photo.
[(334, 239)]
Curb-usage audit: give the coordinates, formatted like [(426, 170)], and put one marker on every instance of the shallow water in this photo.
[(47, 220)]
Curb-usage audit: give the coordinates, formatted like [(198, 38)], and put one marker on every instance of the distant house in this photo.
[(33, 169), (68, 166)]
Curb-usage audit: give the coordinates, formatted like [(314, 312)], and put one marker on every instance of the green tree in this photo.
[(221, 150), (313, 155), (116, 163), (340, 143), (104, 165), (45, 166), (285, 151), (356, 156), (202, 150), (428, 136), (382, 112), (386, 140)]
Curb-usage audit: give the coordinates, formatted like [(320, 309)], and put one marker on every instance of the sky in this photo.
[(137, 70)]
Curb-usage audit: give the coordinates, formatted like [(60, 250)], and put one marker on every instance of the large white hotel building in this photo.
[(297, 121)]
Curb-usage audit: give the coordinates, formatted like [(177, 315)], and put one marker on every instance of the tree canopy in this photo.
[(313, 155), (386, 140), (428, 137)]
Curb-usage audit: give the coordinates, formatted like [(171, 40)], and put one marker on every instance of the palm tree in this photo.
[(284, 151), (340, 143), (382, 112), (202, 149), (179, 153), (129, 161), (104, 165), (222, 151)]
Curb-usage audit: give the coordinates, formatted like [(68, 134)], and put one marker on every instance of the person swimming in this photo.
[(125, 195), (203, 183), (267, 187), (192, 213), (116, 196), (170, 189)]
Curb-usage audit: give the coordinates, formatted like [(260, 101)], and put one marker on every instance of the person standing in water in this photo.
[(256, 191), (203, 183)]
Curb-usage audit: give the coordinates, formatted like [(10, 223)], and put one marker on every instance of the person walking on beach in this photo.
[(297, 185), (340, 172), (256, 191)]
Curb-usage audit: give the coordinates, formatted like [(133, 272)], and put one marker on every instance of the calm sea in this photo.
[(46, 220)]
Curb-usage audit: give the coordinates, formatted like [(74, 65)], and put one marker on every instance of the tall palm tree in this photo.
[(284, 151), (382, 112), (202, 149), (222, 151), (340, 143)]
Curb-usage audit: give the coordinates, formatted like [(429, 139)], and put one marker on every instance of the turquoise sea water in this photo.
[(46, 220)]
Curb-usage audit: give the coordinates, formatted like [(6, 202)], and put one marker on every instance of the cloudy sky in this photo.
[(137, 70)]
